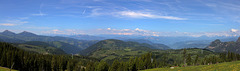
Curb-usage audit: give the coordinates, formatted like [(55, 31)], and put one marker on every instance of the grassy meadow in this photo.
[(226, 66), (5, 69)]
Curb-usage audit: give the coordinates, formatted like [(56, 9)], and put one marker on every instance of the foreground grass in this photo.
[(226, 66), (5, 69)]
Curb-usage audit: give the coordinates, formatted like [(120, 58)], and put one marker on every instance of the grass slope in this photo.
[(40, 47), (6, 69), (226, 66), (114, 49)]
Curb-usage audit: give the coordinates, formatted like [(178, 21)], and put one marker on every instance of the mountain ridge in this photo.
[(219, 46), (8, 36)]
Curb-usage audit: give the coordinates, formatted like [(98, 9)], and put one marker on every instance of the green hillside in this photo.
[(191, 44), (175, 56), (150, 44), (111, 49), (39, 47), (226, 66), (68, 48)]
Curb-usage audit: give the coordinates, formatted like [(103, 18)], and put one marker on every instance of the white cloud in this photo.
[(16, 21), (137, 29), (133, 14), (7, 24), (40, 14), (234, 30), (95, 12), (13, 22), (38, 27), (55, 30), (140, 32), (24, 18)]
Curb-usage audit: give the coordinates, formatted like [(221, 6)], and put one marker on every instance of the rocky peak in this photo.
[(215, 43), (238, 40)]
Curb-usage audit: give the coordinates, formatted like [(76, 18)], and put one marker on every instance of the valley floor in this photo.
[(226, 66)]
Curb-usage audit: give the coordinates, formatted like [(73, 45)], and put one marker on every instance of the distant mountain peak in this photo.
[(219, 46), (7, 32), (215, 43), (238, 40), (25, 33)]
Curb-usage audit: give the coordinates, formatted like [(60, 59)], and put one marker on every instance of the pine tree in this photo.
[(102, 66), (90, 66), (189, 60), (120, 67), (184, 57), (78, 66), (196, 60), (53, 64), (70, 65), (114, 66), (140, 65)]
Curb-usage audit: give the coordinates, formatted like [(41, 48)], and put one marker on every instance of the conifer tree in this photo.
[(184, 57), (196, 60), (114, 66), (189, 59), (102, 66)]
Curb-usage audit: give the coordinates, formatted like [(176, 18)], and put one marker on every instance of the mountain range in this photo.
[(69, 45), (171, 41), (80, 44), (219, 46)]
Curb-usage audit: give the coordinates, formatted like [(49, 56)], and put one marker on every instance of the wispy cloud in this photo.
[(7, 24), (95, 12), (38, 27), (13, 22), (84, 11), (40, 11), (227, 9), (40, 14), (234, 30), (133, 14), (23, 18)]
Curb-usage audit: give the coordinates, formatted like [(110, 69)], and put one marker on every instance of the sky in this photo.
[(122, 17)]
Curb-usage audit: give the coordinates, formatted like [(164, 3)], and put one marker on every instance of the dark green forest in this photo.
[(19, 59)]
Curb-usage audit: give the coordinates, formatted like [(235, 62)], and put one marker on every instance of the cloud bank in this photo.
[(140, 32)]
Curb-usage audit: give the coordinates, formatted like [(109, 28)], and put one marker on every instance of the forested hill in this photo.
[(69, 45), (39, 47), (26, 61), (150, 44), (114, 44), (219, 46), (113, 49)]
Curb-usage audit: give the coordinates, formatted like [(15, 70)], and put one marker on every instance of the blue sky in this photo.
[(122, 17)]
